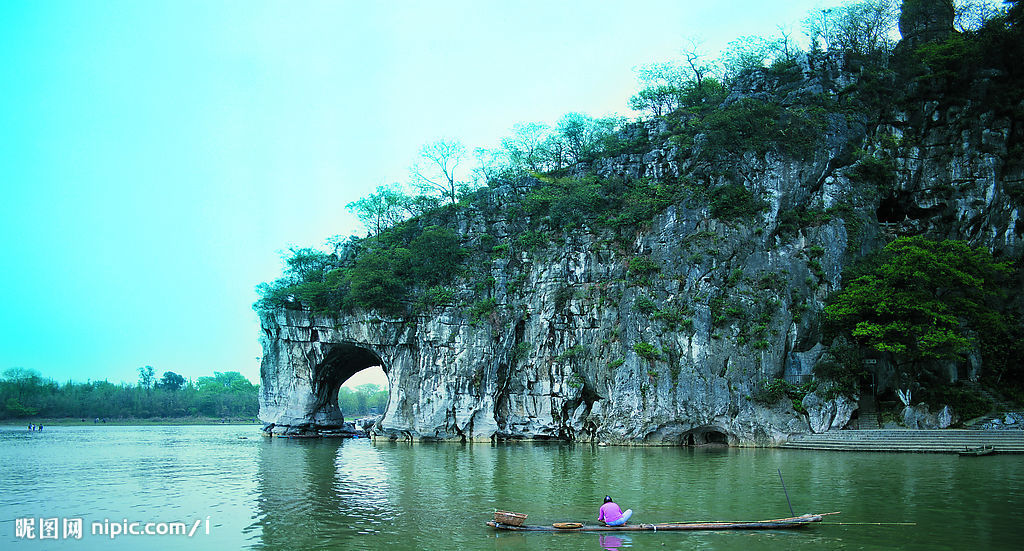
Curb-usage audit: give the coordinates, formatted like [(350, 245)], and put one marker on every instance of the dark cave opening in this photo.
[(705, 436), (890, 210)]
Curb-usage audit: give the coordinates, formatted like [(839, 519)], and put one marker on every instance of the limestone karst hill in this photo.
[(655, 292)]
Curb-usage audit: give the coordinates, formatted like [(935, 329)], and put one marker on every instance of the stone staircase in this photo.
[(998, 405), (927, 441), (867, 414), (868, 420)]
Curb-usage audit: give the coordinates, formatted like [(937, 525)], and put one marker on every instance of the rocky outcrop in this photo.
[(665, 336), (918, 417), (825, 415)]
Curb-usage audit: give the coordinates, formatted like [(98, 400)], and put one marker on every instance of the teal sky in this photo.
[(155, 157)]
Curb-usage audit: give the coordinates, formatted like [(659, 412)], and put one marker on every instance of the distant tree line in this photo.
[(26, 393), (364, 400)]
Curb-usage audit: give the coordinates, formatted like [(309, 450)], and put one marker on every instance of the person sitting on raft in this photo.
[(611, 514)]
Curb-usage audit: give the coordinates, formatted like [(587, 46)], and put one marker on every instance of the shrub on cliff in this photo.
[(735, 202)]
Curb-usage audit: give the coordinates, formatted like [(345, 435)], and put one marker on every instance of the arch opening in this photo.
[(340, 363), (363, 397)]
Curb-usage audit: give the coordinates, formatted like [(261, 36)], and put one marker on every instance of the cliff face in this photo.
[(664, 337)]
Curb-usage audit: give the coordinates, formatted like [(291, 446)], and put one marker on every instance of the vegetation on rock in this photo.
[(925, 303)]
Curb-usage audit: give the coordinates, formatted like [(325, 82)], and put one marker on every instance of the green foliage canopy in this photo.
[(924, 301)]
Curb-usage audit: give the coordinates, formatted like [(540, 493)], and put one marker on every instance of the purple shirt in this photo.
[(610, 512)]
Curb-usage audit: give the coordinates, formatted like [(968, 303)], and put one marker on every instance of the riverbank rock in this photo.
[(825, 415), (919, 417), (1013, 420), (946, 418)]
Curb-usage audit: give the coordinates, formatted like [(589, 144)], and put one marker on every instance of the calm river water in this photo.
[(234, 489)]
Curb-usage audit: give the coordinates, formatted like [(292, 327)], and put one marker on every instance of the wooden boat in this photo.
[(973, 452), (791, 522)]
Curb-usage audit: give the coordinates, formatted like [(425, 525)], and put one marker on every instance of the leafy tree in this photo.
[(576, 133), (683, 83), (748, 52), (865, 27), (438, 169), (568, 202), (526, 149), (171, 381), (659, 100), (377, 280), (434, 256), (308, 264), (146, 376), (382, 209), (663, 85), (579, 137), (310, 276), (924, 302)]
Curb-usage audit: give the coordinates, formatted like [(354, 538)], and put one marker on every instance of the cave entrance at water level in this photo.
[(351, 383), (705, 437)]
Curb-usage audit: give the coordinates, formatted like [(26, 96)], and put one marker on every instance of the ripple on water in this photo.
[(279, 494)]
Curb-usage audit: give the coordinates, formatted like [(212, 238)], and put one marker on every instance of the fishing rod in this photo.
[(866, 523), (787, 493)]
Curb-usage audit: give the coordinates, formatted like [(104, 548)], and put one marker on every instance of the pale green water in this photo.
[(353, 494)]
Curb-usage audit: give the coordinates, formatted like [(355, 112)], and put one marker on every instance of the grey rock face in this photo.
[(825, 415), (918, 417), (946, 418)]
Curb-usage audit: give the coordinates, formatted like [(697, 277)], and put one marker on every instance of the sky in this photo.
[(157, 157)]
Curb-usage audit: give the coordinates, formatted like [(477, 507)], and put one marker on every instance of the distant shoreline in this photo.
[(77, 421)]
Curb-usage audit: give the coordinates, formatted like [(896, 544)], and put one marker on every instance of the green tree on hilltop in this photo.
[(382, 209), (438, 170)]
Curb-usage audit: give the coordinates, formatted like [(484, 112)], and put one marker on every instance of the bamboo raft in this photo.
[(780, 523)]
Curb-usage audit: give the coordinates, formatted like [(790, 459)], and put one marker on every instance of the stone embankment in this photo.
[(894, 440)]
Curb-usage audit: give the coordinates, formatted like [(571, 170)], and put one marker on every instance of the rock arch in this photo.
[(301, 374), (452, 379)]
